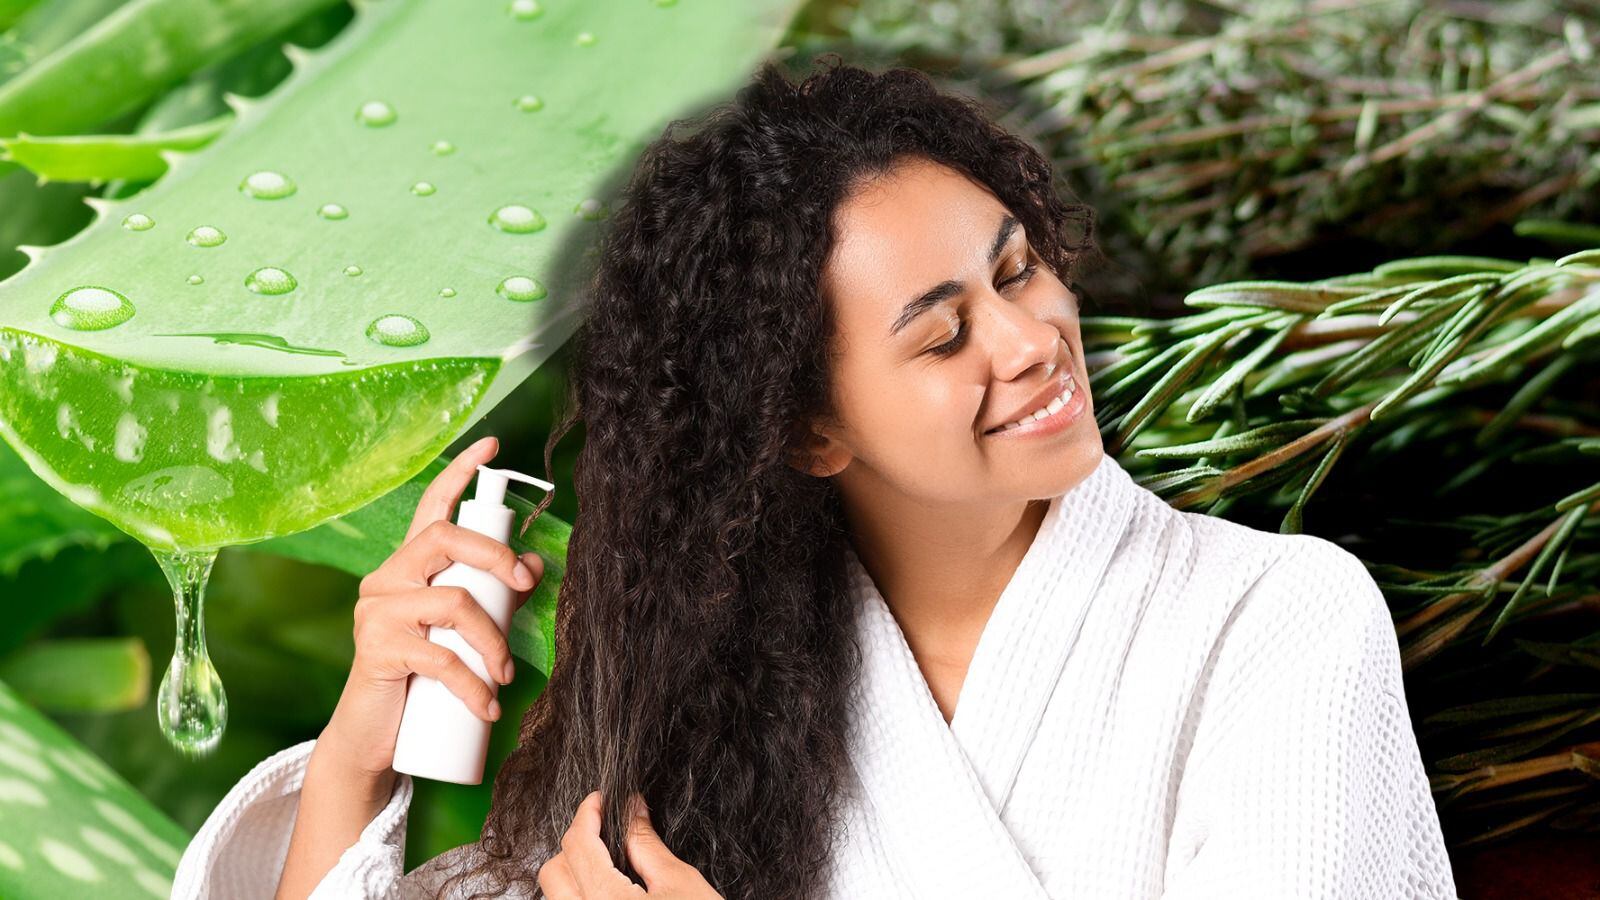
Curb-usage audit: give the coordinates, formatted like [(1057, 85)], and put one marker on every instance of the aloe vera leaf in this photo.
[(130, 56), (102, 157), (12, 10), (73, 827), (80, 675), (362, 539), (233, 415), (37, 523), (45, 27)]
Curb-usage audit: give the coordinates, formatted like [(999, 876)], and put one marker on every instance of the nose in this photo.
[(1019, 340)]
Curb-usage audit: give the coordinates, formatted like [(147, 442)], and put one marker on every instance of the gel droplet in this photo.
[(443, 148), (91, 308), (267, 185), (270, 280), (352, 271), (333, 211), (525, 9), (516, 219), (191, 707), (375, 114), (590, 209), (423, 188), (528, 103), (397, 330), (138, 222), (195, 279), (206, 236), (584, 39), (447, 292), (520, 287)]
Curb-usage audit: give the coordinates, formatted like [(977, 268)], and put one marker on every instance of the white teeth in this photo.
[(1049, 409)]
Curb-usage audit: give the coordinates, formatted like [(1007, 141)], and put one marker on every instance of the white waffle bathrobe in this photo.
[(1163, 704)]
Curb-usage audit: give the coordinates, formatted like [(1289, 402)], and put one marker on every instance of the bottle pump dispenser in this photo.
[(440, 737)]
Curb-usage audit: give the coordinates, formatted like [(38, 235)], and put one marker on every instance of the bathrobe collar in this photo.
[(942, 814)]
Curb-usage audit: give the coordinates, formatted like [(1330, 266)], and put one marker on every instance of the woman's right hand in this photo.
[(396, 607)]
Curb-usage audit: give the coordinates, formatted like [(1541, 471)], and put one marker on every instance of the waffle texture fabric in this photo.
[(1162, 705)]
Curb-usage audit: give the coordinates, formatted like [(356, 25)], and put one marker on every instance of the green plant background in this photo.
[(81, 760)]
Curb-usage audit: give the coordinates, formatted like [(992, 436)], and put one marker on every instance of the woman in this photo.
[(845, 626)]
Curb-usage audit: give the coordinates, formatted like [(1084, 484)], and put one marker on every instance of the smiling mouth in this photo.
[(1049, 409)]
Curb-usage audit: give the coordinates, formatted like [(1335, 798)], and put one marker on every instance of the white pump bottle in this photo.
[(440, 737)]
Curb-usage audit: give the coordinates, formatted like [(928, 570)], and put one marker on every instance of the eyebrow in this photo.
[(948, 288)]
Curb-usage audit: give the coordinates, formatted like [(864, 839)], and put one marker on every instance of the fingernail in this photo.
[(510, 671), (524, 575), (494, 710)]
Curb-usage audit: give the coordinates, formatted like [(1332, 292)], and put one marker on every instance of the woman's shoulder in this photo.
[(1271, 577)]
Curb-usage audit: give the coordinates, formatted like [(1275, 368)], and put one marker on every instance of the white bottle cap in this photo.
[(492, 484)]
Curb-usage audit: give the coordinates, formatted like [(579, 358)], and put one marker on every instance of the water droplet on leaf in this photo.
[(443, 148), (333, 211), (138, 222), (352, 271), (525, 9), (375, 114), (528, 103), (91, 308), (267, 185), (516, 219), (590, 209), (195, 279), (447, 292), (423, 188), (397, 330), (520, 287), (270, 280), (206, 236)]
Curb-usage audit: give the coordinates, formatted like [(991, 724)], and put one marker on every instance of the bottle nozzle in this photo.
[(492, 484)]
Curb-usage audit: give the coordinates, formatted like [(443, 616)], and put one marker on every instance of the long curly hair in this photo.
[(705, 636)]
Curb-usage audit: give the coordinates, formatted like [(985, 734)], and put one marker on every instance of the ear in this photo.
[(819, 452)]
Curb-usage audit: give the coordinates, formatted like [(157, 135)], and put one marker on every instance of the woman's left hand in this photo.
[(583, 869)]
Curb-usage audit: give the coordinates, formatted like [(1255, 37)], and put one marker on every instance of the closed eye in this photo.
[(960, 339)]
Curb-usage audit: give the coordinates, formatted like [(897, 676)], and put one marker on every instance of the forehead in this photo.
[(904, 232)]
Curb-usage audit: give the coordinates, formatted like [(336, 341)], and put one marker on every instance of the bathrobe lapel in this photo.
[(938, 791)]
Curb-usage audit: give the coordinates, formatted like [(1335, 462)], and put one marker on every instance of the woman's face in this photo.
[(949, 325)]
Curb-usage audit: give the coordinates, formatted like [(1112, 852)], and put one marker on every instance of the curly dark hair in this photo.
[(705, 637)]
